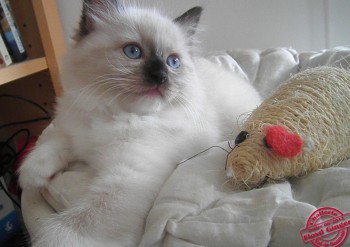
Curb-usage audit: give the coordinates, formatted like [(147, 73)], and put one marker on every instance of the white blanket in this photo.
[(197, 206)]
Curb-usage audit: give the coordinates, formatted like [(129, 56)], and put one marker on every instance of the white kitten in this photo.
[(135, 104)]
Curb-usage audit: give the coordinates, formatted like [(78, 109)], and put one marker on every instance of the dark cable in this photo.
[(8, 195), (8, 153), (46, 118)]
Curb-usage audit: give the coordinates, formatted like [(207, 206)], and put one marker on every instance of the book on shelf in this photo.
[(10, 33), (5, 58)]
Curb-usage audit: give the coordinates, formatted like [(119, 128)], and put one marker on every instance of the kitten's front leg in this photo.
[(49, 156), (112, 213)]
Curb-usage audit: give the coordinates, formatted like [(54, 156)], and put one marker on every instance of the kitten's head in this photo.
[(132, 58)]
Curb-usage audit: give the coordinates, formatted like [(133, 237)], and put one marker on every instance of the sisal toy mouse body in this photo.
[(304, 126)]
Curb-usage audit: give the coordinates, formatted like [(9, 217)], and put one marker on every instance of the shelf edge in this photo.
[(23, 69)]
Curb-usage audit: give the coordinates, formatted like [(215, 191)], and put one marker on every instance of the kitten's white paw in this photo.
[(54, 233), (38, 169)]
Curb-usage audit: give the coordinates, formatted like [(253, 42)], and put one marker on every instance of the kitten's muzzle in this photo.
[(156, 72), (159, 77)]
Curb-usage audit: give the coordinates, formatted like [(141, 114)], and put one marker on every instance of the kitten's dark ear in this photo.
[(189, 20), (93, 12)]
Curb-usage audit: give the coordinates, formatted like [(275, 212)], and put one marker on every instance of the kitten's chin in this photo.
[(146, 102), (150, 102)]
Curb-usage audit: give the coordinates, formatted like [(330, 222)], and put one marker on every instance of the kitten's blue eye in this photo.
[(173, 61), (132, 51)]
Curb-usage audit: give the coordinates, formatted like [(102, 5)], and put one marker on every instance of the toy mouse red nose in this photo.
[(282, 142)]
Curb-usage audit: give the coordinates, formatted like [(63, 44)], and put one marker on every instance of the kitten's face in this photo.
[(133, 58)]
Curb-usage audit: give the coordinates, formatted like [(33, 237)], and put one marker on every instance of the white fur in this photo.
[(133, 142)]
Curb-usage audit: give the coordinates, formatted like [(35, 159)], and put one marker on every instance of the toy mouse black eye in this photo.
[(241, 137)]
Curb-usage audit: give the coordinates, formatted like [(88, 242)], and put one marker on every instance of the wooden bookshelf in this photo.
[(38, 77), (41, 32), (23, 69), (52, 37)]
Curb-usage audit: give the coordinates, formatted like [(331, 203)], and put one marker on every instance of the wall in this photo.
[(301, 24), (339, 22)]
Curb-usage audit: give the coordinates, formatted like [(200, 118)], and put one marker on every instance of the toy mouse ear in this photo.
[(282, 142), (94, 11)]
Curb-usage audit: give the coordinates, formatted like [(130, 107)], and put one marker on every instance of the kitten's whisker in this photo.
[(85, 91), (189, 110), (125, 89), (91, 89), (124, 93), (124, 70), (112, 76)]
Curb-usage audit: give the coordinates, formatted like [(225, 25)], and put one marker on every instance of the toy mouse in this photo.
[(304, 126)]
